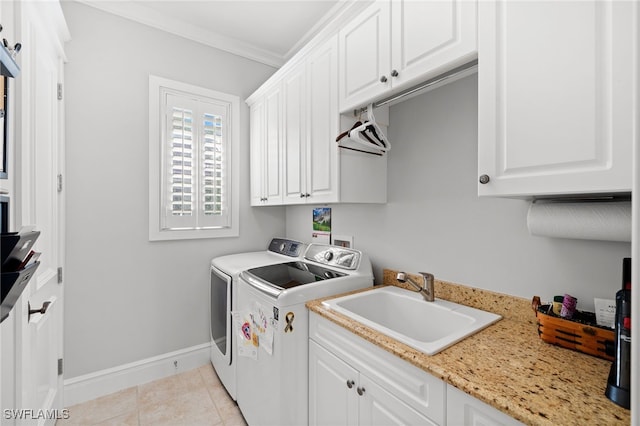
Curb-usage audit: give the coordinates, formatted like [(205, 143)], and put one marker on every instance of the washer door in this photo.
[(221, 314)]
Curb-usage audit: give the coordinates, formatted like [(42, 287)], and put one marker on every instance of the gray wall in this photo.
[(434, 220), (128, 299)]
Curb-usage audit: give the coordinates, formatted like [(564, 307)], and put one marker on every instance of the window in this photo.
[(193, 161)]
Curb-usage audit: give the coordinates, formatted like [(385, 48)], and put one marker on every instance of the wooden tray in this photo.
[(580, 333)]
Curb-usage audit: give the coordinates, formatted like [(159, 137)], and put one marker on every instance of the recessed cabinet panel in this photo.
[(379, 407), (568, 119), (272, 175), (439, 17), (256, 154), (465, 410), (555, 97), (294, 136)]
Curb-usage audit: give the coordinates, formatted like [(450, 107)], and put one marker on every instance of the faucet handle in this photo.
[(428, 286), (428, 276)]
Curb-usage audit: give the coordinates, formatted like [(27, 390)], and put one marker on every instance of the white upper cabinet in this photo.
[(395, 44), (322, 121), (295, 136), (294, 124), (310, 125), (266, 149), (365, 60), (555, 97)]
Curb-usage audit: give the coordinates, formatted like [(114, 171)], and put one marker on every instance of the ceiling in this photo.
[(268, 31)]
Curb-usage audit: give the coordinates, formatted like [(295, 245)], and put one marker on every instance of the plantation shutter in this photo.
[(195, 155)]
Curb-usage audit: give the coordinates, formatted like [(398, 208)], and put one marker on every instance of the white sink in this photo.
[(405, 316)]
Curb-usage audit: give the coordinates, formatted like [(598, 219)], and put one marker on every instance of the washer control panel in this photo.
[(335, 256)]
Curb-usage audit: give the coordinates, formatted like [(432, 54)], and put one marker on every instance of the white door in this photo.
[(40, 133), (555, 97), (365, 56), (322, 108), (379, 407), (294, 142), (272, 146), (332, 389), (429, 37)]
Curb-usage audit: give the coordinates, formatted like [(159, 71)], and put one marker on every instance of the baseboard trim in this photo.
[(94, 385)]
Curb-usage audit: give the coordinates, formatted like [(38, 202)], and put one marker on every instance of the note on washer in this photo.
[(261, 323), (247, 339)]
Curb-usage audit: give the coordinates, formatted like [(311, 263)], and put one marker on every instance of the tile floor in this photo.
[(192, 398)]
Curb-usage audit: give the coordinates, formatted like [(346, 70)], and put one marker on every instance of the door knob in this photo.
[(350, 383), (383, 79), (394, 73), (484, 179), (41, 311), (360, 391)]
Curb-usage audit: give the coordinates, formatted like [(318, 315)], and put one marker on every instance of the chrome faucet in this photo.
[(426, 289)]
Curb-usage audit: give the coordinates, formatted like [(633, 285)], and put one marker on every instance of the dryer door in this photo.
[(221, 315)]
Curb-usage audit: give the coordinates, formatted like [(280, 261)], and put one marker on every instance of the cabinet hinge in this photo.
[(59, 91), (60, 275), (60, 367), (59, 183)]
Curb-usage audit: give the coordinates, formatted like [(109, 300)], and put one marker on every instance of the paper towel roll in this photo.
[(606, 220)]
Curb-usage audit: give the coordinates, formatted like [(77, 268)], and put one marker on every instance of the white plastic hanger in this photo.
[(369, 134)]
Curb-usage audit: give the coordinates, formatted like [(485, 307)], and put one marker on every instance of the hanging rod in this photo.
[(457, 72)]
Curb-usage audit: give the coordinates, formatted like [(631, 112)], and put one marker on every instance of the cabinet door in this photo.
[(555, 97), (465, 410), (272, 147), (379, 407), (256, 156), (322, 107), (295, 139), (365, 56), (429, 37), (332, 389)]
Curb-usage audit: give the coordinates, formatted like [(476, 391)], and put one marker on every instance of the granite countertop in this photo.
[(507, 365)]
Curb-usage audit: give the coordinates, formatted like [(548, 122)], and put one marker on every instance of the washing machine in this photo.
[(273, 328), (225, 271)]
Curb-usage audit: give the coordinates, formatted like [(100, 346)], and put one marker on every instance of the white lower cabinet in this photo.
[(341, 395), (463, 409), (354, 382)]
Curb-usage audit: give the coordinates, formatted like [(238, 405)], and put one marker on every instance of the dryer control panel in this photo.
[(287, 247)]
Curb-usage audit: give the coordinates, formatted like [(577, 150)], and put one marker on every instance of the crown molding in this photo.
[(335, 18), (137, 12), (340, 13)]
